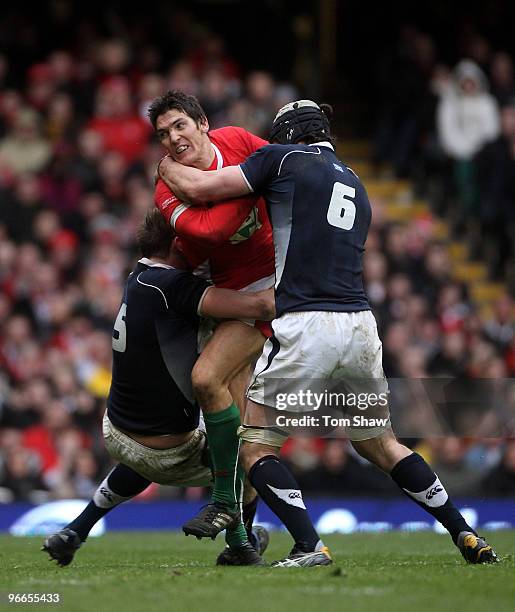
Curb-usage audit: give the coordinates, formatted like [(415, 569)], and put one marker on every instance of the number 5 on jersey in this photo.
[(120, 331), (342, 211)]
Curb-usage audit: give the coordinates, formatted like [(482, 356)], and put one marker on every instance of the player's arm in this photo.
[(228, 304), (254, 174), (187, 294), (211, 226), (198, 186)]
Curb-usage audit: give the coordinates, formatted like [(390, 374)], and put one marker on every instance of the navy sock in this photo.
[(121, 484), (248, 514), (124, 481), (417, 480), (279, 490)]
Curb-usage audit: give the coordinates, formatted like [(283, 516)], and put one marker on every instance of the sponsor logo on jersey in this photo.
[(169, 201), (247, 228)]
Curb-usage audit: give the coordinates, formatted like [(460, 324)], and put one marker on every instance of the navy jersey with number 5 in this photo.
[(154, 350), (320, 216)]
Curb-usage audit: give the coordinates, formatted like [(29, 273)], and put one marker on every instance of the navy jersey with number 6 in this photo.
[(154, 350), (320, 216)]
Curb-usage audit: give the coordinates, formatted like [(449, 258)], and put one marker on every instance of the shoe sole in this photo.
[(259, 563), (63, 561), (197, 533), (486, 555), (305, 562)]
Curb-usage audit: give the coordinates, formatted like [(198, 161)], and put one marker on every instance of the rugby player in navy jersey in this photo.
[(320, 215), (152, 425)]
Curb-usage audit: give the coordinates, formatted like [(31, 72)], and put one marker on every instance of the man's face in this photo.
[(185, 140)]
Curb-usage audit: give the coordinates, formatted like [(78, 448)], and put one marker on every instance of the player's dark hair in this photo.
[(154, 235), (176, 100), (319, 136)]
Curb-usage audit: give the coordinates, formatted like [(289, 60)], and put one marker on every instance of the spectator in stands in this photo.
[(182, 76), (502, 78), (21, 206), (40, 86), (215, 95), (259, 94), (467, 119), (500, 328), (150, 87), (451, 467), (406, 102), (24, 149), (122, 130), (22, 476), (60, 189), (61, 122), (496, 169), (451, 357), (501, 480)]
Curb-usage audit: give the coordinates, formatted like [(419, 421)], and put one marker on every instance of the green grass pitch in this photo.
[(166, 571)]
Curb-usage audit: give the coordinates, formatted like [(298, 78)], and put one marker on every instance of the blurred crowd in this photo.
[(451, 128), (77, 161)]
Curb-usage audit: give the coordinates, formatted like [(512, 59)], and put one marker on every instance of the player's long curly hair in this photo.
[(154, 235), (327, 110)]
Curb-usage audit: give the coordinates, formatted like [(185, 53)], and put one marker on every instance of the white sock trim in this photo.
[(292, 497), (105, 497), (434, 496)]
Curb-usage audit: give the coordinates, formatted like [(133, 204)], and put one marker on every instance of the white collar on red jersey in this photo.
[(219, 158), (325, 143), (153, 264)]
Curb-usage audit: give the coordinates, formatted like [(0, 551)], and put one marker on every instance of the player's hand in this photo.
[(163, 160)]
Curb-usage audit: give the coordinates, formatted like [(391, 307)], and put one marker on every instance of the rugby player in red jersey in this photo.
[(235, 239)]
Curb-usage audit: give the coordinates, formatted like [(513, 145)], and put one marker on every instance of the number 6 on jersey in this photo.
[(342, 212)]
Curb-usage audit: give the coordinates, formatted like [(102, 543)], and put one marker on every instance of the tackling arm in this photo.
[(228, 304), (197, 186)]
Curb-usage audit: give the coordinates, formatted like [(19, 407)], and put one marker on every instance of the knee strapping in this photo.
[(271, 436)]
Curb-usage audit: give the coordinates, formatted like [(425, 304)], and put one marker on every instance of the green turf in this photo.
[(167, 571)]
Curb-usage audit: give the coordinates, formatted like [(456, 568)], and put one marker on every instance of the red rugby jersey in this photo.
[(234, 235)]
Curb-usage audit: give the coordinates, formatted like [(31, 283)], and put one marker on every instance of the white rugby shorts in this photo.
[(333, 346)]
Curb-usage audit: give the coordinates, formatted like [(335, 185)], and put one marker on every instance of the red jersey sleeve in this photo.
[(166, 201), (209, 225)]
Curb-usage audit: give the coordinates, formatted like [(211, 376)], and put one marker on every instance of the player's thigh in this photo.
[(257, 415), (238, 386), (232, 348)]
